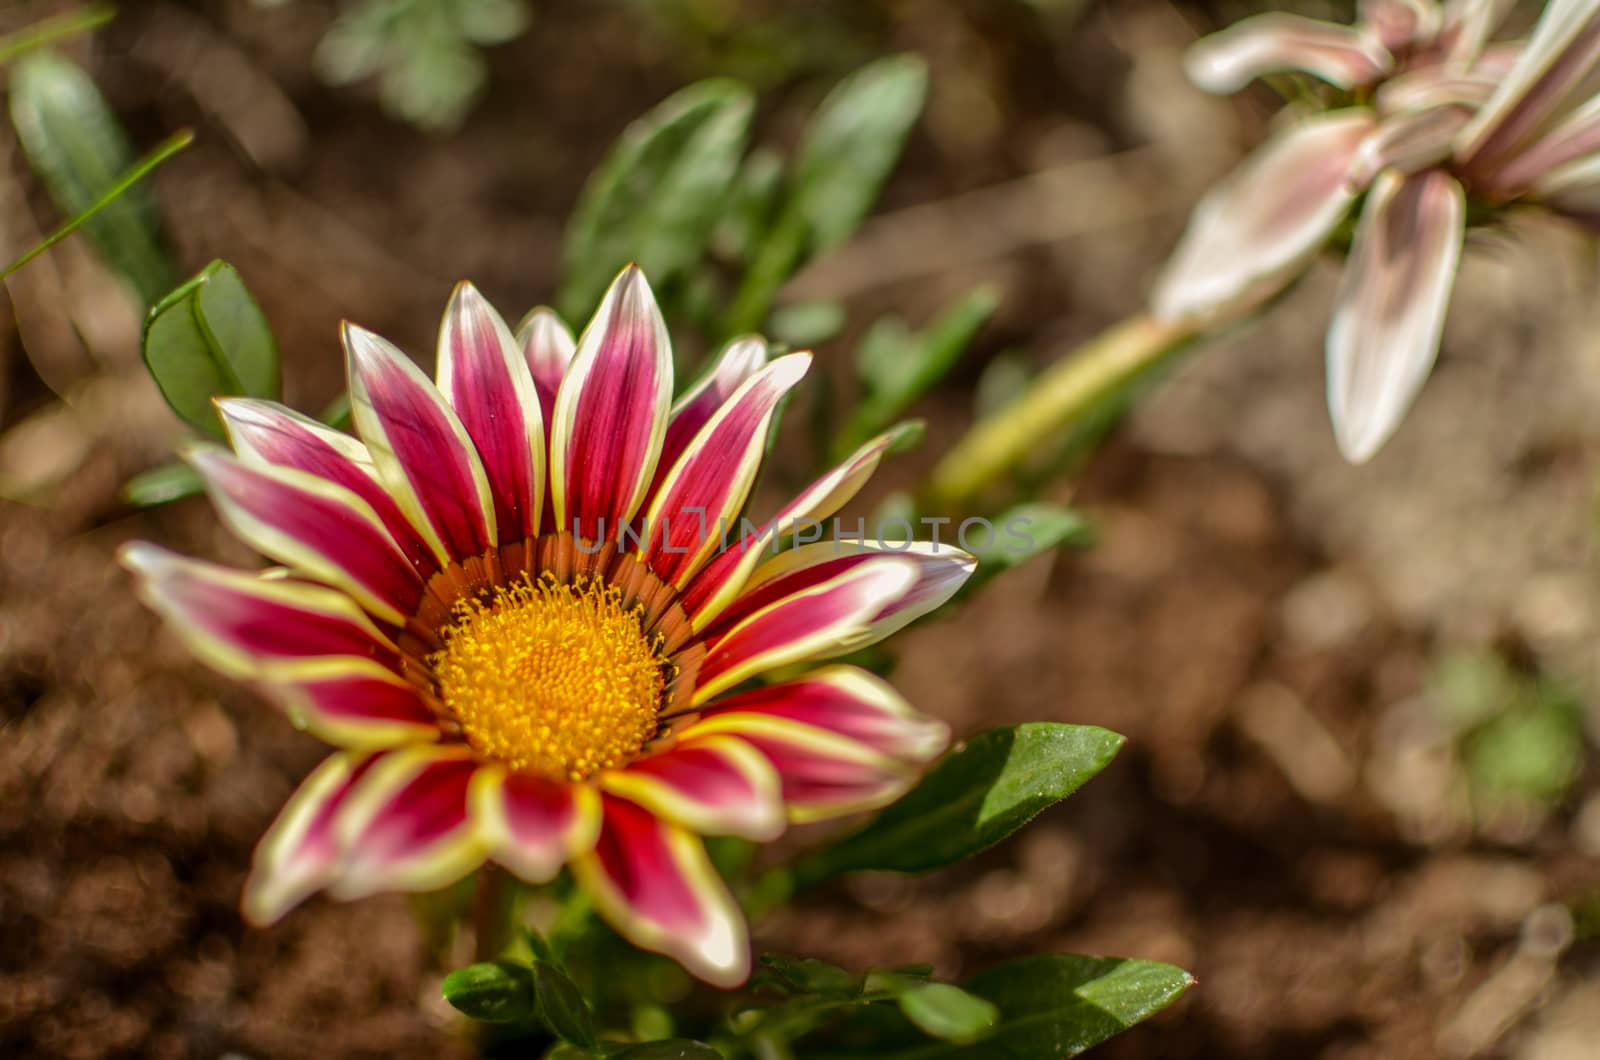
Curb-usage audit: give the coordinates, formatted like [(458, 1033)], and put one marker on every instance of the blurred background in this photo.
[(1357, 799)]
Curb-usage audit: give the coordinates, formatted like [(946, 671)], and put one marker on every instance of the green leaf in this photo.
[(80, 152), (948, 1012), (209, 339), (672, 1049), (1058, 1006), (975, 797), (57, 27), (658, 195), (562, 1007), (494, 992), (162, 485), (846, 155), (1023, 532), (897, 368), (853, 143), (805, 976), (807, 324)]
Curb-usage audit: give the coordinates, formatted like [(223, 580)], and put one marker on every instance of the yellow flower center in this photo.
[(552, 678)]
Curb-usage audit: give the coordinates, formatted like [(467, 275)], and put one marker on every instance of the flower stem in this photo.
[(493, 912), (1099, 369)]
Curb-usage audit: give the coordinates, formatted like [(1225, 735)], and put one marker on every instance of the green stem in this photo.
[(163, 151), (1069, 389), (493, 912), (49, 30)]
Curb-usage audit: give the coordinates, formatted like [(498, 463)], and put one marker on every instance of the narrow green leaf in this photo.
[(162, 485), (80, 153), (658, 195), (1053, 1007), (948, 1012), (493, 992), (975, 797), (1023, 532), (805, 976), (672, 1049), (848, 151), (562, 1007), (57, 27), (208, 339)]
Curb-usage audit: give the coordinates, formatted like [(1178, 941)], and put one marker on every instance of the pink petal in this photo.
[(1391, 306), (655, 885), (421, 450), (317, 528), (843, 700), (299, 855), (1563, 50), (408, 826), (1278, 43), (1575, 138), (1573, 189), (485, 378), (1466, 25), (611, 413), (265, 433), (712, 786), (1257, 229), (941, 570), (706, 490), (740, 360), (716, 587), (1409, 142), (1399, 25), (824, 774), (311, 649), (819, 621), (548, 347), (531, 825)]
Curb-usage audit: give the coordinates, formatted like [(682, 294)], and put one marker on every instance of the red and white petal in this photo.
[(1278, 43), (1391, 305), (844, 700), (711, 786), (485, 378), (421, 450), (548, 347), (824, 774), (611, 412), (1577, 137), (531, 825), (818, 622), (408, 825), (299, 855), (1564, 48), (741, 359), (708, 486), (941, 571), (653, 882), (311, 649), (1259, 227), (265, 433), (318, 529), (710, 593)]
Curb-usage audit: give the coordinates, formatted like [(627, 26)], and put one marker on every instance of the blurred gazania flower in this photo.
[(507, 681), (1432, 125)]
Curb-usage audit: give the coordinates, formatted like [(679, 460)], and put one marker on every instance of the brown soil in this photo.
[(1258, 662)]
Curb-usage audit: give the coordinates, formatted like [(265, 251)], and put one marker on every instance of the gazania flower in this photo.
[(1436, 129), (511, 606)]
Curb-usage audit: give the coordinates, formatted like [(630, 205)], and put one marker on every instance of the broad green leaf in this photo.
[(975, 797), (805, 976), (209, 339), (494, 992), (162, 485), (948, 1012), (1057, 1006), (674, 1049), (846, 155), (1021, 533), (658, 195), (80, 152), (562, 1007)]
